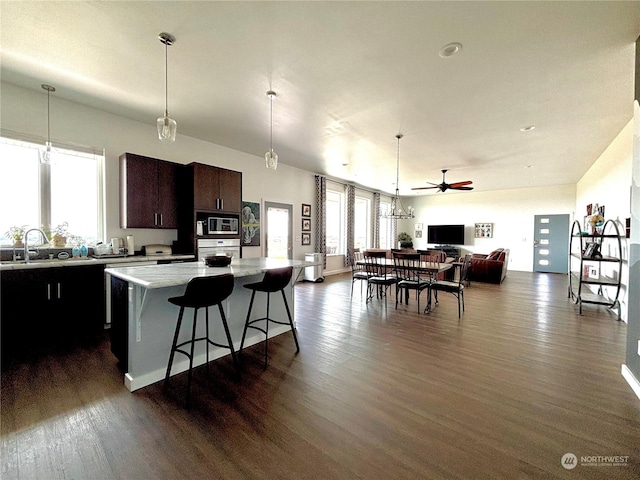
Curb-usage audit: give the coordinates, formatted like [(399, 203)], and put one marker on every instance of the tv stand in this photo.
[(449, 250)]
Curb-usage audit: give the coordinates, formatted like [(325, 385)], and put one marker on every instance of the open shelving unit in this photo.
[(595, 279)]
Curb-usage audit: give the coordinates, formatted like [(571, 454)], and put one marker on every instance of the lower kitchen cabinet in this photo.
[(46, 308)]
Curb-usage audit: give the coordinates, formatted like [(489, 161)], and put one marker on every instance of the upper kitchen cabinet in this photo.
[(148, 192), (215, 189)]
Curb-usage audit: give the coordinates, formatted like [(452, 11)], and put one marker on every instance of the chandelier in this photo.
[(397, 211)]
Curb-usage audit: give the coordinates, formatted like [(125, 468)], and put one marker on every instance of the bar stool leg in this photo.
[(266, 330), (246, 323), (193, 344), (226, 330), (206, 316), (293, 330), (173, 347)]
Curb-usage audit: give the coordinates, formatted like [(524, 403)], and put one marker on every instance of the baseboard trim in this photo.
[(631, 380)]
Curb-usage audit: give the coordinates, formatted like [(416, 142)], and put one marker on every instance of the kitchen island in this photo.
[(143, 321)]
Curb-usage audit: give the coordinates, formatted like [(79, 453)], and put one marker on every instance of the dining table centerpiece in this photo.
[(405, 240)]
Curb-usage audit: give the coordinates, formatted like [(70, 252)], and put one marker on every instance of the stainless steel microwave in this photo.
[(222, 226)]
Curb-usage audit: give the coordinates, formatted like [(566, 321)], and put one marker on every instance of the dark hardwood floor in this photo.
[(503, 393)]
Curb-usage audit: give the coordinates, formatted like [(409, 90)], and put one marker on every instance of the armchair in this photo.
[(491, 268)]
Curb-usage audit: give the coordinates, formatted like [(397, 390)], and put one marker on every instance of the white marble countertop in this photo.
[(171, 275), (73, 262)]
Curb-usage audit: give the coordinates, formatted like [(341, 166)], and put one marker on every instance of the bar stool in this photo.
[(273, 281), (201, 292)]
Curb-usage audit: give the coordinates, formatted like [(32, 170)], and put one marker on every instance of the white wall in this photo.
[(511, 212), (24, 111), (608, 183)]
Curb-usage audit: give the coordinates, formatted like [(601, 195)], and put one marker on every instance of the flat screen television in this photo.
[(445, 234)]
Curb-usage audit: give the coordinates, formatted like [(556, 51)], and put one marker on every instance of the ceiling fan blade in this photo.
[(461, 188), (460, 184), (424, 188)]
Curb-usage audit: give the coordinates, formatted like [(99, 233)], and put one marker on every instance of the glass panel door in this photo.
[(279, 230)]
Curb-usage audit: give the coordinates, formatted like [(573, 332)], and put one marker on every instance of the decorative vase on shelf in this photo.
[(596, 221)]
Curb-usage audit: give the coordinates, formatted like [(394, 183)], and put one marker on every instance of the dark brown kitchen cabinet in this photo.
[(216, 189), (148, 192), (205, 191), (44, 308)]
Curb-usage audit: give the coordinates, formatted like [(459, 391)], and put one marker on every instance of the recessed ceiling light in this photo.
[(450, 50), (529, 166), (528, 128), (345, 164)]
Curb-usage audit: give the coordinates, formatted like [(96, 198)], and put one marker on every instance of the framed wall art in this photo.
[(306, 224), (306, 210), (306, 239), (484, 230), (250, 223)]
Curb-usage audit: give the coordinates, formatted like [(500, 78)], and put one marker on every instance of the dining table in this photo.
[(432, 268)]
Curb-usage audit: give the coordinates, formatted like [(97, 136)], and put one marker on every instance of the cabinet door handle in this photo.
[(59, 290), (222, 204), (155, 219), (48, 291), (160, 219)]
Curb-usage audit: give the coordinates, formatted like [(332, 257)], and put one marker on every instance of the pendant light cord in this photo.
[(166, 79), (271, 123), (48, 118), (398, 168)]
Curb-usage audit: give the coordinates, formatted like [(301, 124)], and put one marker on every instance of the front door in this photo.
[(551, 243), (279, 230)]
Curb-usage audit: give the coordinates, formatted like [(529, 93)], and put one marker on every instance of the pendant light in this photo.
[(271, 157), (167, 126), (45, 154), (397, 211)]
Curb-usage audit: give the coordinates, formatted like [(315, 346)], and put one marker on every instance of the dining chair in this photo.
[(453, 287), (378, 275), (357, 269), (410, 276)]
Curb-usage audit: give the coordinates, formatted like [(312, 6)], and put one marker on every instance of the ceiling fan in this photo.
[(444, 186)]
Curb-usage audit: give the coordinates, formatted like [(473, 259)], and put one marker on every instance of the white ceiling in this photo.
[(349, 76)]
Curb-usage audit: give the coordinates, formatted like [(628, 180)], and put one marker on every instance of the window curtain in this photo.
[(376, 220), (350, 194), (394, 233), (321, 220)]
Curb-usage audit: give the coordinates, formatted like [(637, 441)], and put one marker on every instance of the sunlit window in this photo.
[(386, 241), (36, 195), (362, 223), (335, 221)]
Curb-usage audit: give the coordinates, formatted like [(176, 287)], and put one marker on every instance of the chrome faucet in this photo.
[(26, 241)]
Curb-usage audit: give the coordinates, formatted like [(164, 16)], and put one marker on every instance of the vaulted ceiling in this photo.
[(349, 76)]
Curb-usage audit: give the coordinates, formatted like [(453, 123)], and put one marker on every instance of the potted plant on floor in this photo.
[(405, 240)]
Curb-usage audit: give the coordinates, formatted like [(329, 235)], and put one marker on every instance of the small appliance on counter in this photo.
[(105, 250), (130, 246), (156, 249)]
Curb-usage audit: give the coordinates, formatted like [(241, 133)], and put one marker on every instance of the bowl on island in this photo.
[(217, 260)]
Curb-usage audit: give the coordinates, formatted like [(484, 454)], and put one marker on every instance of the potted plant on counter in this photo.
[(405, 240), (16, 234), (59, 235)]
